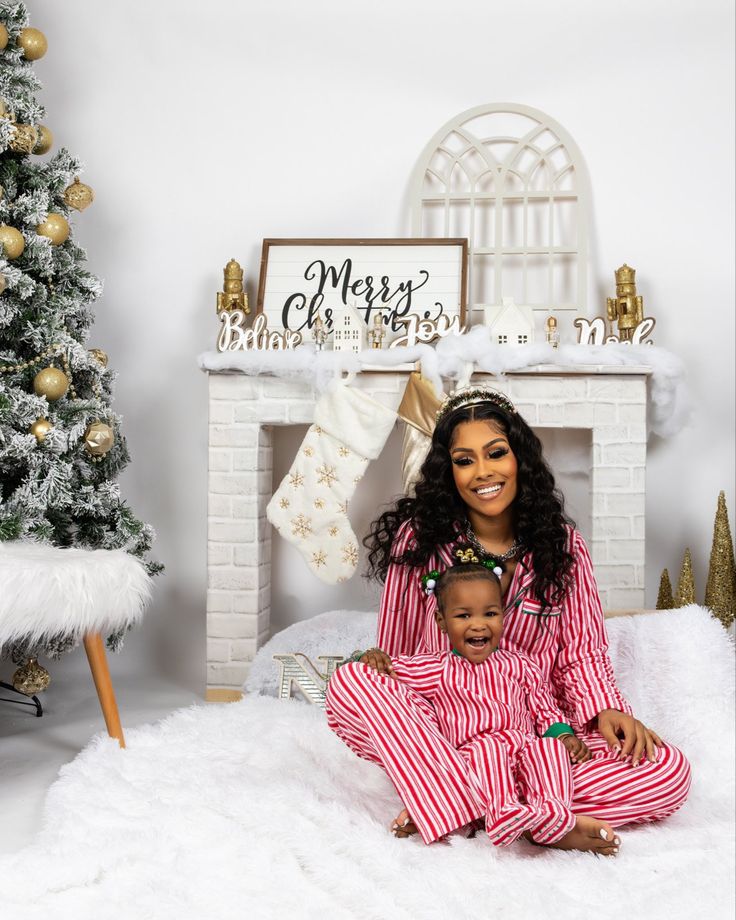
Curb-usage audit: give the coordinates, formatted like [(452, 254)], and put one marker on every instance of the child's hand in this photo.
[(577, 750), (378, 660)]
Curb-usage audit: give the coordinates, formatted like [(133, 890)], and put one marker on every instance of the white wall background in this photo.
[(207, 127)]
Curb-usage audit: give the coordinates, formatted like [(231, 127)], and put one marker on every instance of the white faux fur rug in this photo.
[(255, 810)]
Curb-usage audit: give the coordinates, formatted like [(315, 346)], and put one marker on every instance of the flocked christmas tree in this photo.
[(61, 446)]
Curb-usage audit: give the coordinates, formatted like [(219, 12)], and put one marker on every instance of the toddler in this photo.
[(493, 707)]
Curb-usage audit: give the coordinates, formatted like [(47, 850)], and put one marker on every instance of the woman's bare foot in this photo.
[(403, 826), (590, 834)]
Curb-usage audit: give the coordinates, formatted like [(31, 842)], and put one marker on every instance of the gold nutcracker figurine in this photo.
[(553, 336), (627, 306), (377, 333), (232, 296), (319, 332)]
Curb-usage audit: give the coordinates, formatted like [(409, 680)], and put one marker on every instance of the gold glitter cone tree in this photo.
[(61, 444), (720, 590), (686, 583), (665, 600)]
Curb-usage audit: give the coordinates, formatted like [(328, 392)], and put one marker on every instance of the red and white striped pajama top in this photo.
[(495, 713), (570, 648)]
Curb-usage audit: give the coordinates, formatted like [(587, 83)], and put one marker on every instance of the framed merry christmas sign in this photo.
[(393, 284)]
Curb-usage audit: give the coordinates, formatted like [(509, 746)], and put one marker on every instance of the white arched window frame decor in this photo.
[(511, 180)]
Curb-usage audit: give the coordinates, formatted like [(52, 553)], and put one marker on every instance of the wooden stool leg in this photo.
[(95, 649)]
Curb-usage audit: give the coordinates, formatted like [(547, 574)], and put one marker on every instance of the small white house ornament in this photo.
[(510, 323), (348, 330)]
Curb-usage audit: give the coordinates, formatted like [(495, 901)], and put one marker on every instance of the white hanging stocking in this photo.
[(310, 507)]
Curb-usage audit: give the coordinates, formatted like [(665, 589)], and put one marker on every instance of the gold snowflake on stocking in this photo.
[(344, 452), (296, 480), (284, 503), (342, 508), (301, 526), (319, 503), (334, 531), (308, 451), (350, 554), (319, 558), (326, 475), (316, 429)]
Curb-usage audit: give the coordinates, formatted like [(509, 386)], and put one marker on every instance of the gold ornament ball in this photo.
[(55, 227), (99, 355), (23, 139), (11, 241), (41, 428), (98, 439), (31, 678), (33, 42), (51, 383), (45, 140), (4, 37), (78, 195)]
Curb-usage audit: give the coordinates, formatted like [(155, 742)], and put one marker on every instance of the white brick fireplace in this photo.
[(608, 402)]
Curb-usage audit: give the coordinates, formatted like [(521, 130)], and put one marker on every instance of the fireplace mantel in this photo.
[(611, 402)]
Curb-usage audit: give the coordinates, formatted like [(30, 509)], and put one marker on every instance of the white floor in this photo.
[(32, 750)]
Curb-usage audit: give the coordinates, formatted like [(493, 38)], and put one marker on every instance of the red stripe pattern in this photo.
[(490, 712), (394, 725)]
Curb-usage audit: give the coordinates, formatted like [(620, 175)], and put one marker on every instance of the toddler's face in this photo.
[(472, 617)]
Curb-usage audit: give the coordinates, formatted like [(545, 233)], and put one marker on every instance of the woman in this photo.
[(486, 482)]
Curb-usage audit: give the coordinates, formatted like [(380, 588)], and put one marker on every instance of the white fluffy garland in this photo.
[(457, 357)]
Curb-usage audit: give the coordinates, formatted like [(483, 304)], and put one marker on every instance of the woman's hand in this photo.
[(378, 660), (627, 736), (576, 748)]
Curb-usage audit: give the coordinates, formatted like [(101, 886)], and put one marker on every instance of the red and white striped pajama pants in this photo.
[(502, 765), (385, 722)]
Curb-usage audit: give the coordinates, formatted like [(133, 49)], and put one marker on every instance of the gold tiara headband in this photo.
[(473, 396)]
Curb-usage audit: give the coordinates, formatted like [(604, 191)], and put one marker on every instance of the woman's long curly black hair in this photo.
[(438, 515)]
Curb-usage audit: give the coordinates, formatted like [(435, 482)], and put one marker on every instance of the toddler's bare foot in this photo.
[(590, 834), (403, 826)]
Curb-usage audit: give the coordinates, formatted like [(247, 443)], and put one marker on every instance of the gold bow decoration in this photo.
[(466, 555)]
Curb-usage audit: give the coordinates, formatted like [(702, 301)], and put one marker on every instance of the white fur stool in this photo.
[(48, 592)]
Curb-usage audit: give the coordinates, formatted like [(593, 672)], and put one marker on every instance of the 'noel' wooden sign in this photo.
[(301, 280)]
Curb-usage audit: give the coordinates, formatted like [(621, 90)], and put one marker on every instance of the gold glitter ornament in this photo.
[(51, 383), (686, 585), (40, 428), (99, 355), (45, 140), (11, 241), (98, 439), (55, 227), (720, 590), (23, 139), (4, 37), (34, 44), (78, 195), (665, 601), (31, 678)]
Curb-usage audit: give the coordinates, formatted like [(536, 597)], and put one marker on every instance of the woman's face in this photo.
[(483, 466)]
